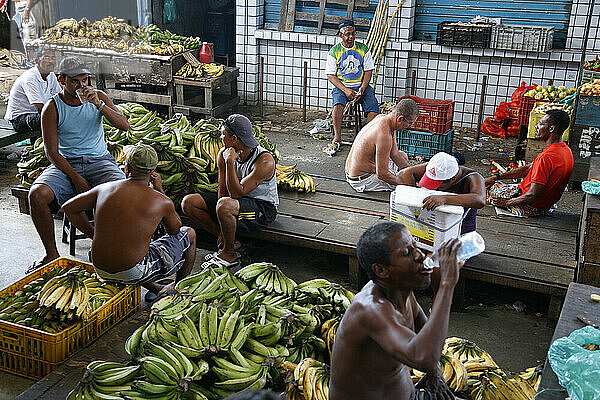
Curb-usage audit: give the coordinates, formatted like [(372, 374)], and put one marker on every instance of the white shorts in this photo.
[(371, 183)]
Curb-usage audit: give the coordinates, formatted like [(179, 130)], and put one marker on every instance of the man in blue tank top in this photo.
[(74, 144), (247, 199)]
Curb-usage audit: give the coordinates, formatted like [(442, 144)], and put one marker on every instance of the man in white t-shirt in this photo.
[(349, 69), (31, 91)]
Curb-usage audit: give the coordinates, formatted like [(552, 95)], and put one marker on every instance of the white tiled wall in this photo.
[(441, 72)]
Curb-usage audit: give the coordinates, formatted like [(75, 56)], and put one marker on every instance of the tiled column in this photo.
[(249, 18), (576, 31)]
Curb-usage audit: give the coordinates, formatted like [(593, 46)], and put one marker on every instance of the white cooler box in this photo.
[(429, 228)]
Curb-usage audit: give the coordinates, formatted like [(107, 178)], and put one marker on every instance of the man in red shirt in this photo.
[(544, 180)]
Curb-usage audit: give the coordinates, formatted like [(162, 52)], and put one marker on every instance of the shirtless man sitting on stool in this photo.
[(374, 159)]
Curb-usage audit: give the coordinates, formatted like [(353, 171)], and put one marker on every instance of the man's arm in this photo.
[(171, 220), (474, 199), (222, 176), (335, 81), (365, 81), (76, 207), (109, 110), (398, 157), (420, 350), (50, 136), (516, 173), (383, 148), (264, 168), (411, 175)]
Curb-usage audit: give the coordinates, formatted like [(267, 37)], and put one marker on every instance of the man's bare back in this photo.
[(366, 371), (361, 159), (127, 212)]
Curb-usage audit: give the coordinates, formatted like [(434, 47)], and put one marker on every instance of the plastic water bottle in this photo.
[(471, 244)]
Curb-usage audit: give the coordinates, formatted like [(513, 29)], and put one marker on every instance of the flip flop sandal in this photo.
[(35, 266), (332, 148), (220, 263), (150, 297), (210, 256)]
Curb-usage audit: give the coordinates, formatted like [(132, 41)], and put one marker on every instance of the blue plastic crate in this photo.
[(425, 144), (587, 111)]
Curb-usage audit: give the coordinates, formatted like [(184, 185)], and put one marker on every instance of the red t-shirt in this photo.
[(551, 168)]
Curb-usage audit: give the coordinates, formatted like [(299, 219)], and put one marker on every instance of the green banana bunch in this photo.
[(267, 277), (104, 380)]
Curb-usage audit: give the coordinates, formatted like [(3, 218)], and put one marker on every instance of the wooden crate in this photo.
[(209, 101)]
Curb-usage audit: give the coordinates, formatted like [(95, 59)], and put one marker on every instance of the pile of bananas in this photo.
[(109, 33), (114, 34), (33, 161), (55, 300), (211, 70), (187, 152), (471, 372), (105, 380), (222, 333), (292, 178), (163, 41), (309, 380), (267, 277)]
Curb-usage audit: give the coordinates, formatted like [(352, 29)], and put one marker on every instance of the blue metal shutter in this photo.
[(430, 13)]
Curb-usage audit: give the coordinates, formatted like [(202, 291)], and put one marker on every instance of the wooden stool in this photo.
[(354, 117), (70, 235)]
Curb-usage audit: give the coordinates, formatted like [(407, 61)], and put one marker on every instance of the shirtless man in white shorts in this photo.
[(374, 159)]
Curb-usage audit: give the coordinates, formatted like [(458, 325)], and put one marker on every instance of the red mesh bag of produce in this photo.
[(502, 111), (493, 128), (516, 96)]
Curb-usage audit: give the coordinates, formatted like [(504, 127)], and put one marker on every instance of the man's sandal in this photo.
[(210, 256), (219, 262), (332, 148), (35, 266)]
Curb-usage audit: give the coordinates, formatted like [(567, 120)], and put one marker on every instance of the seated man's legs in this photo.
[(101, 170), (501, 190), (51, 184), (202, 209), (371, 183), (26, 123), (369, 103), (339, 102)]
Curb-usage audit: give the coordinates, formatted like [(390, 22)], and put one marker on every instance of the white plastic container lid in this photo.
[(413, 197)]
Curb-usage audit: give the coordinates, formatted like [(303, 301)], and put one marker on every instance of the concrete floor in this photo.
[(527, 332)]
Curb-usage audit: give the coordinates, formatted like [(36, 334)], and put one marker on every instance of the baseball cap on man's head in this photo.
[(240, 126), (442, 166), (142, 158), (72, 66), (345, 23)]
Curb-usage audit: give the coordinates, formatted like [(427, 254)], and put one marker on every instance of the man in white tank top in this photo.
[(247, 198)]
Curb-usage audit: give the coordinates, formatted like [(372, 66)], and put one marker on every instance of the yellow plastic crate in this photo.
[(534, 118), (33, 353)]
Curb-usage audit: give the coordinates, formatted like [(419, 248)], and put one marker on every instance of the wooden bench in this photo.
[(9, 136), (531, 254)]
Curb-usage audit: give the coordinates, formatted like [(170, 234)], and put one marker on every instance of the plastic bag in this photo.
[(591, 187), (516, 96), (169, 11), (577, 369), (502, 111), (493, 128)]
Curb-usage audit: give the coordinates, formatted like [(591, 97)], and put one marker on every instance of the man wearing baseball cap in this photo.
[(247, 199), (127, 213), (75, 146), (465, 187), (349, 68)]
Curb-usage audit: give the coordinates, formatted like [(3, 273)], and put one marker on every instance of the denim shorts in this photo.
[(95, 170), (367, 100), (164, 258)]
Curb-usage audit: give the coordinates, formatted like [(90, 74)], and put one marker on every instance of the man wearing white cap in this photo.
[(465, 186)]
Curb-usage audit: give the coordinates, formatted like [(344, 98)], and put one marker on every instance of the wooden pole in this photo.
[(481, 104), (413, 85), (260, 86), (304, 90)]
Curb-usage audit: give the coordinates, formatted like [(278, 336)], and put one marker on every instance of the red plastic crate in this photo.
[(435, 116), (527, 104)]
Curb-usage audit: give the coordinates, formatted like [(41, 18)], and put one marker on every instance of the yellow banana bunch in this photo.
[(312, 379), (213, 70), (209, 145), (282, 170), (532, 376), (328, 332), (466, 351), (296, 180)]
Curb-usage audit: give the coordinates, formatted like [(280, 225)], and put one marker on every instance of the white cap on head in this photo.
[(442, 166)]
